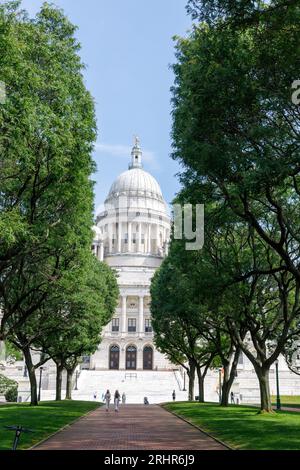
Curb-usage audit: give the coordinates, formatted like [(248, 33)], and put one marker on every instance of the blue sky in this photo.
[(127, 47)]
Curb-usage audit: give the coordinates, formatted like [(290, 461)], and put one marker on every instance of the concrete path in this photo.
[(134, 427)]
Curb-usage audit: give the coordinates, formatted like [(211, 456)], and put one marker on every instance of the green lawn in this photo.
[(44, 419), (288, 400), (242, 427)]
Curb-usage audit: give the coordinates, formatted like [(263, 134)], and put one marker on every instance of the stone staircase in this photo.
[(157, 386)]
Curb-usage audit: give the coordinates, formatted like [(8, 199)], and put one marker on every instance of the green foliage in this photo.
[(11, 395), (84, 302), (47, 131), (236, 134), (235, 128), (7, 384), (175, 308), (12, 351)]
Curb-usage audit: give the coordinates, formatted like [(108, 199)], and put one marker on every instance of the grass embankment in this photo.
[(45, 419), (242, 427), (292, 401)]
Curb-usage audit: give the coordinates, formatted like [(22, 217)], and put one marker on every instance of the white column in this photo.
[(95, 248), (164, 234), (101, 249), (141, 314), (157, 238), (149, 238), (139, 237), (120, 237), (129, 235), (110, 235), (123, 314), (145, 238)]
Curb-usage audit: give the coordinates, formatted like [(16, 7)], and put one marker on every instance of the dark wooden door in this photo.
[(131, 357), (114, 357), (148, 358)]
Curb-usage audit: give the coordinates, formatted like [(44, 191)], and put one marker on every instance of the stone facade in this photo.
[(132, 235)]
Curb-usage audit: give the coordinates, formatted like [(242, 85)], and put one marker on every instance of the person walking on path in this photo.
[(117, 400), (107, 398), (174, 395), (123, 398), (232, 398)]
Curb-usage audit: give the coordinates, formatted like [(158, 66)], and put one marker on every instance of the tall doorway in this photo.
[(131, 357), (114, 357), (148, 358)]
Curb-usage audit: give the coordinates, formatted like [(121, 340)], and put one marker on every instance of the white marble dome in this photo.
[(135, 182)]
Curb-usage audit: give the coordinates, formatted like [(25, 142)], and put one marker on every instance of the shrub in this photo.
[(11, 394), (8, 388)]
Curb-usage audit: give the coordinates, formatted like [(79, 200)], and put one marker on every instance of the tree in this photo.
[(259, 311), (47, 130), (172, 309), (69, 324), (236, 132), (239, 13), (84, 310), (245, 144)]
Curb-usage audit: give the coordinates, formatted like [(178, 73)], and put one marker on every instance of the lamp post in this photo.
[(40, 384), (278, 404), (184, 389), (220, 385)]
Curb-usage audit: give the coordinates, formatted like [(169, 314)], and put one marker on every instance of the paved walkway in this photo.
[(134, 427)]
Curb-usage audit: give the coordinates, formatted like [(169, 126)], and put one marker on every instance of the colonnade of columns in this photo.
[(135, 237)]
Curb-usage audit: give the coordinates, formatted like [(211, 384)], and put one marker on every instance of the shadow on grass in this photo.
[(44, 419), (243, 427)]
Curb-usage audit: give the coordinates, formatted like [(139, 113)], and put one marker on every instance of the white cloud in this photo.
[(124, 151)]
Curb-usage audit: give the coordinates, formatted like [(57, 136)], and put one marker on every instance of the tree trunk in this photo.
[(31, 375), (265, 397), (191, 375), (229, 368), (226, 386), (59, 371), (69, 385), (200, 384)]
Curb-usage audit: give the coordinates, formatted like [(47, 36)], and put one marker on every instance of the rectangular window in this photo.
[(148, 327), (132, 325), (115, 324), (134, 238), (126, 238)]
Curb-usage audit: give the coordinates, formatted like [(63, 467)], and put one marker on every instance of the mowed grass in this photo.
[(242, 427), (45, 419), (288, 400)]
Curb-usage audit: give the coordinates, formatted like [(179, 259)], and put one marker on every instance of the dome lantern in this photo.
[(136, 155)]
